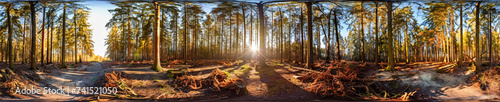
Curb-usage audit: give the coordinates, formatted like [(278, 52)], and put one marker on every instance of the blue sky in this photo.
[(99, 16)]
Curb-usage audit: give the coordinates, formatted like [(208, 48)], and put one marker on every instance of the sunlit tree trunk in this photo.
[(63, 50), (156, 39), (185, 32), (51, 39), (76, 36), (43, 34), (461, 36), (390, 52), (289, 40), (406, 42), (453, 42), (25, 30)]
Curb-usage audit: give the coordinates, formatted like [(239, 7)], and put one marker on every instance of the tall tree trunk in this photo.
[(244, 29), (453, 37), (337, 34), (362, 35), (156, 39), (8, 8), (301, 35), (175, 38), (76, 37), (376, 34), (63, 50), (281, 36), (43, 34), (309, 35), (220, 37), (491, 39), (195, 40), (262, 58), (478, 54), (237, 35), (51, 39), (406, 42), (289, 41), (25, 30), (390, 65), (33, 35), (318, 41), (461, 36), (328, 39), (185, 33), (230, 36)]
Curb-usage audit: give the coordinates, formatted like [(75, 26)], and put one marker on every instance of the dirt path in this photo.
[(442, 86), (83, 76), (271, 84)]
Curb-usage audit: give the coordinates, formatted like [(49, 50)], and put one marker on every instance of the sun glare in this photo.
[(254, 48)]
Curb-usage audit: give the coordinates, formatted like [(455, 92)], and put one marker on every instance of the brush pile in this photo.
[(325, 84), (118, 79), (348, 79), (10, 80), (217, 81)]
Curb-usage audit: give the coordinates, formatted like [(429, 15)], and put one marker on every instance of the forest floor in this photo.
[(277, 82)]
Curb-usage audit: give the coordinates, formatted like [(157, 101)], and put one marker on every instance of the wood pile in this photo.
[(217, 81)]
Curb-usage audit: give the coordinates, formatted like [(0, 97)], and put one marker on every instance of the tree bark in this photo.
[(491, 39), (76, 36), (390, 65), (33, 35), (156, 37), (63, 50), (8, 8), (461, 37), (244, 29), (309, 35), (337, 34), (362, 35), (301, 35), (478, 54), (237, 35), (51, 40), (376, 34), (43, 34), (262, 58), (185, 33), (328, 39)]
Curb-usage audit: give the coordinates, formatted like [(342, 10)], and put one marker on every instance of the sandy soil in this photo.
[(83, 76), (262, 83), (442, 86)]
